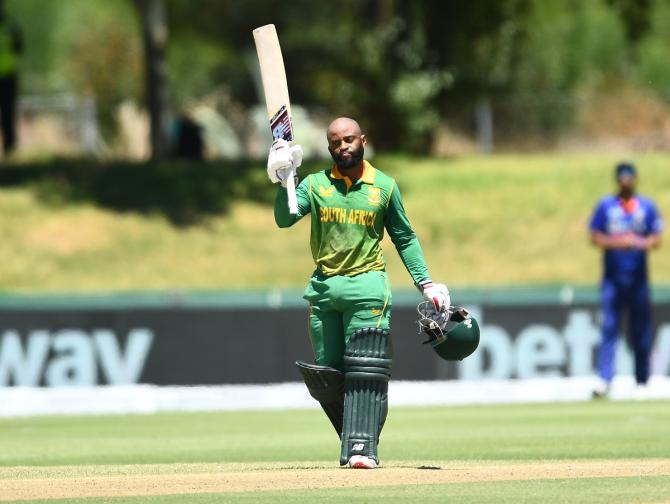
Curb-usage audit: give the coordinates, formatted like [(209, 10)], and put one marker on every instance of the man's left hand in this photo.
[(438, 294)]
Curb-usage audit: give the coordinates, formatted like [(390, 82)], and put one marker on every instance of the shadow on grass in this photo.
[(186, 193)]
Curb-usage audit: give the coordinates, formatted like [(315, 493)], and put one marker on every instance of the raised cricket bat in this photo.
[(276, 95)]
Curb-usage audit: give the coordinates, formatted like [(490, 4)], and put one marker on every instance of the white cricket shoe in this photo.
[(640, 392), (601, 389), (362, 462)]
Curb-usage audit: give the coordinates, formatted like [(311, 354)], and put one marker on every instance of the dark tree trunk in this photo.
[(155, 36)]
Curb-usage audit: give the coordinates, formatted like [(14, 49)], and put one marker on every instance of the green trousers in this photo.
[(339, 305)]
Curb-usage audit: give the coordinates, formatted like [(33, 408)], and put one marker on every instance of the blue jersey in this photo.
[(613, 216)]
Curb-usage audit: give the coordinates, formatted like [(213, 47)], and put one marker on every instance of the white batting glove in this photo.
[(438, 294), (296, 156), (283, 161)]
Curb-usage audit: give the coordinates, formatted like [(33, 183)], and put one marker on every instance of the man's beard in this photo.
[(354, 160)]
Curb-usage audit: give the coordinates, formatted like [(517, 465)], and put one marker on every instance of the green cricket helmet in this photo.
[(452, 332)]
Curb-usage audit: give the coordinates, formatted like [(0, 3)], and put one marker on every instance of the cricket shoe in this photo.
[(640, 392), (601, 390), (362, 462)]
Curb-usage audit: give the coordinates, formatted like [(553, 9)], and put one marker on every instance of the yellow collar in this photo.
[(368, 175)]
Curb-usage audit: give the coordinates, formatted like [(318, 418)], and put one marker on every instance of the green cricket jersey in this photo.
[(348, 222)]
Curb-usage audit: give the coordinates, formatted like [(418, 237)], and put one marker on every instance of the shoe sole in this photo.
[(360, 464)]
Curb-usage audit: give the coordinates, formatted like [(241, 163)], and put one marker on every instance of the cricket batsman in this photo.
[(350, 205)]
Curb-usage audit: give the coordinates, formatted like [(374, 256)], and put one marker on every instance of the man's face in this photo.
[(627, 183), (346, 145)]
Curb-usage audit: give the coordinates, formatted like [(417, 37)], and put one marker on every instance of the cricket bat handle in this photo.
[(290, 189)]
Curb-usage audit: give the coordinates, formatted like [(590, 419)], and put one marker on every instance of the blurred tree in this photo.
[(39, 63), (564, 48), (654, 50), (636, 16), (79, 47), (196, 65), (399, 66), (359, 57), (567, 44), (155, 37), (103, 55)]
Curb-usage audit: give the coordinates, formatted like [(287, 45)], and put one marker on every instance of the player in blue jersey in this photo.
[(625, 225)]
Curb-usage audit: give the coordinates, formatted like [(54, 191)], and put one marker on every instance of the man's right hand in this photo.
[(628, 241), (623, 241), (283, 161)]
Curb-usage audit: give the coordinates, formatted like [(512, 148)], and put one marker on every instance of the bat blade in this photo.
[(275, 88)]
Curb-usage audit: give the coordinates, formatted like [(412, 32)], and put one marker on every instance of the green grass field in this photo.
[(600, 452), (482, 221)]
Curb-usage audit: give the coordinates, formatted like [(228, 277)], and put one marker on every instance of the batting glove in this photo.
[(283, 161), (438, 294)]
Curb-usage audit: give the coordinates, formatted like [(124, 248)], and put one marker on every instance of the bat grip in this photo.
[(290, 189)]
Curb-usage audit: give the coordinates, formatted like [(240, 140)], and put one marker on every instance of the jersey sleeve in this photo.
[(598, 220), (283, 217), (654, 220), (403, 237)]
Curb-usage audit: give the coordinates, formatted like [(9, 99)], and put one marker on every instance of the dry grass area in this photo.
[(482, 221), (24, 483)]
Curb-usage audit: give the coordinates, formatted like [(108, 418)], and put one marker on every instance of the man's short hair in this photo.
[(625, 169)]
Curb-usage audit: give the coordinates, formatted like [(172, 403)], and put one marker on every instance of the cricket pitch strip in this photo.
[(63, 482)]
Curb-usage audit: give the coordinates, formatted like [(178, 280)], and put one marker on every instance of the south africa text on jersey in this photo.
[(344, 216)]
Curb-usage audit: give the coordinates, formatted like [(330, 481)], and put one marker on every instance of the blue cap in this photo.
[(625, 170)]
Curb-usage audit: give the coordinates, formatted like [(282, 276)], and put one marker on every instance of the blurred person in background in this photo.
[(11, 46), (625, 226)]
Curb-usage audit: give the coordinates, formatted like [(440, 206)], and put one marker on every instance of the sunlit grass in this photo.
[(482, 221)]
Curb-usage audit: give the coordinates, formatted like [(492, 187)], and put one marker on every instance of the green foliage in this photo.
[(195, 65), (636, 15), (371, 61), (412, 95), (104, 54), (402, 68), (41, 58), (568, 47), (86, 47), (653, 51)]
